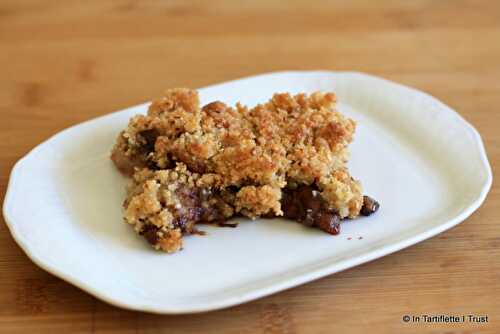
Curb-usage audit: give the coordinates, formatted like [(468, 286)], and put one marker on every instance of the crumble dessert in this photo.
[(192, 164)]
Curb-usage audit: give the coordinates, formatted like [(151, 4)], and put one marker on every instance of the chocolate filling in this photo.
[(369, 206), (193, 210), (150, 232), (305, 205)]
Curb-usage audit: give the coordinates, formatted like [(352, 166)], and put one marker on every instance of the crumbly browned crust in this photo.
[(165, 204), (245, 157)]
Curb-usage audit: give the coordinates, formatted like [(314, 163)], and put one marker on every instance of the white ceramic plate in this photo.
[(420, 159)]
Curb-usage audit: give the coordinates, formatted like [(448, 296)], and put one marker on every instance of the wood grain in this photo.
[(63, 62)]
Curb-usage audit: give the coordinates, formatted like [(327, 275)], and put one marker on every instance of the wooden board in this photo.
[(63, 62)]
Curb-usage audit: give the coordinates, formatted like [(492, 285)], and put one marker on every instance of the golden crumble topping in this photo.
[(192, 164)]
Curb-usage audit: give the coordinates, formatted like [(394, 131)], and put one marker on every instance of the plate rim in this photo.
[(320, 272)]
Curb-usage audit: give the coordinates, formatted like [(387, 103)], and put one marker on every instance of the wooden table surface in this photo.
[(63, 62)]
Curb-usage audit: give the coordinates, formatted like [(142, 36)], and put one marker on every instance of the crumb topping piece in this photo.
[(192, 164)]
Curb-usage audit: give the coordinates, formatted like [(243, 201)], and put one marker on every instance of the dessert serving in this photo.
[(191, 165)]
